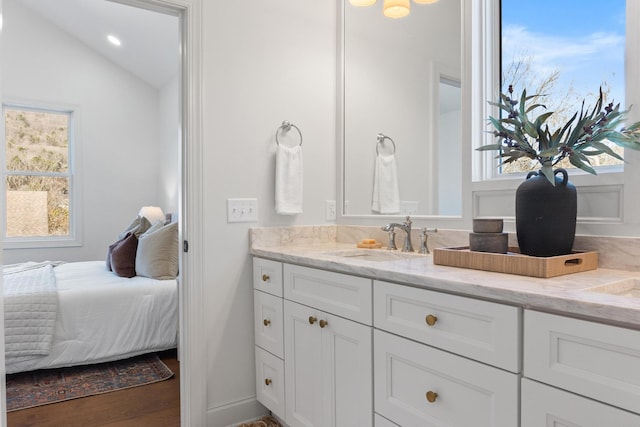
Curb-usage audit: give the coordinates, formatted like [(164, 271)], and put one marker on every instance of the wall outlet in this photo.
[(242, 210), (330, 210), (409, 207)]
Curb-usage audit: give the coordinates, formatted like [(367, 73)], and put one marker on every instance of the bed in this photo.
[(93, 316), (60, 314)]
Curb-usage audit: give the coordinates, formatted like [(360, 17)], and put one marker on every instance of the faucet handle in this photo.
[(424, 249)]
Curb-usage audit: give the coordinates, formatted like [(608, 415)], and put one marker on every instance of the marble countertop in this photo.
[(570, 294)]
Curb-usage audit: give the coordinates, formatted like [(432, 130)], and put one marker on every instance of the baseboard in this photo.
[(234, 413)]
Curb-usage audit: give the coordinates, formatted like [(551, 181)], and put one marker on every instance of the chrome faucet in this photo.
[(406, 227)]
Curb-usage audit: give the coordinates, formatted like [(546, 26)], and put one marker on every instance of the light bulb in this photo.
[(396, 8), (362, 3)]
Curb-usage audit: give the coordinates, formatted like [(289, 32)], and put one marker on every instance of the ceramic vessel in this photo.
[(546, 215)]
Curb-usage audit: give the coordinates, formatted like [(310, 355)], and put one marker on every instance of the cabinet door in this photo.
[(418, 385), (545, 406), (346, 372), (328, 369), (303, 365)]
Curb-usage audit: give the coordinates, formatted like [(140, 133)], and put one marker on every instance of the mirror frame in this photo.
[(462, 221)]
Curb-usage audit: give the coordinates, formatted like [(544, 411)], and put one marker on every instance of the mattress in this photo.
[(103, 317)]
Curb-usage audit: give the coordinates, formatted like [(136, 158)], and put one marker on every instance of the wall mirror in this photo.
[(401, 111)]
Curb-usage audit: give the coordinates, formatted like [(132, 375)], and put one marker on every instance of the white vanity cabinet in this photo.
[(566, 359), (313, 338), (418, 383)]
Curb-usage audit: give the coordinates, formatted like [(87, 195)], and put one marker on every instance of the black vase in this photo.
[(546, 215)]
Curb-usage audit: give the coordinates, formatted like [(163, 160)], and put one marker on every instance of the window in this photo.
[(38, 174), (564, 50)]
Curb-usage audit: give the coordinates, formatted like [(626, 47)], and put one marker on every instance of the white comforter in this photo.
[(103, 317)]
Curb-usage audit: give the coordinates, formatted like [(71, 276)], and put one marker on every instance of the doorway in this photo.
[(187, 143)]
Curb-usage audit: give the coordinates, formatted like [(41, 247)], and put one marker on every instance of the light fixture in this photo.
[(152, 213), (425, 1), (113, 40), (396, 8), (362, 3)]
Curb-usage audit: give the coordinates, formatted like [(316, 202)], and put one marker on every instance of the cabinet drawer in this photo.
[(268, 317), (267, 276), (588, 358), (270, 381), (480, 330), (340, 294), (543, 405), (465, 393)]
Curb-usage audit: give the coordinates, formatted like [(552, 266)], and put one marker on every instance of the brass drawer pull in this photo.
[(323, 323), (431, 320), (265, 277), (312, 320), (432, 396), (266, 322), (267, 381)]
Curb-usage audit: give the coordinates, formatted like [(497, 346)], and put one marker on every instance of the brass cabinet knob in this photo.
[(323, 323), (432, 396), (267, 381), (431, 320), (266, 322), (265, 277), (312, 320)]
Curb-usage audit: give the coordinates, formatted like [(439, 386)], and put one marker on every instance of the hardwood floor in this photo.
[(156, 405)]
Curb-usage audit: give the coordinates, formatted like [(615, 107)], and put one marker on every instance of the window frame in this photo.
[(486, 57), (74, 238)]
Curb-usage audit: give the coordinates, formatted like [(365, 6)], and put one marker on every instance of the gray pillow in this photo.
[(137, 227), (157, 254)]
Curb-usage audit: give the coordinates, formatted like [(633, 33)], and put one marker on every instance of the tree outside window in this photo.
[(564, 50), (37, 172)]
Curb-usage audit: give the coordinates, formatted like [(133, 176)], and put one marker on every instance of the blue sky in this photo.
[(583, 39)]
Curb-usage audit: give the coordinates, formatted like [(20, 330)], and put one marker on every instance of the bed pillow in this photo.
[(157, 254), (123, 256), (138, 226)]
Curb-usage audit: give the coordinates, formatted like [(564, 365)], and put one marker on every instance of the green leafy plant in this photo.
[(585, 134)]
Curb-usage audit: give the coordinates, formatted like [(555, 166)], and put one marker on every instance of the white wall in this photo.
[(264, 62), (169, 149), (117, 128)]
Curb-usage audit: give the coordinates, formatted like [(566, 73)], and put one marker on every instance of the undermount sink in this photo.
[(629, 288), (377, 255)]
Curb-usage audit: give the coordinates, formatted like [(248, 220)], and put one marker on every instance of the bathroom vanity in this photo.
[(362, 337)]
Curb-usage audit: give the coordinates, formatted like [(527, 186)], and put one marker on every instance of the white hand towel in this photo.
[(289, 180), (386, 194)]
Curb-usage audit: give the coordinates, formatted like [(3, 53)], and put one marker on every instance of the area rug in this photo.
[(35, 388), (263, 422)]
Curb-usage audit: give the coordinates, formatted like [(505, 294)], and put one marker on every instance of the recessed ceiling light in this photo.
[(114, 40)]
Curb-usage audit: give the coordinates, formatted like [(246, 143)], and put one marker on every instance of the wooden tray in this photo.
[(514, 262)]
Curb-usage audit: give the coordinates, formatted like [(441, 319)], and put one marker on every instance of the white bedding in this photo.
[(30, 308), (103, 317)]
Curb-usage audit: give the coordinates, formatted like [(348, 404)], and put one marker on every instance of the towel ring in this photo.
[(286, 127), (381, 137)]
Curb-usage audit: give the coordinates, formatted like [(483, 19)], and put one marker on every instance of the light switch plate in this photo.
[(242, 210), (409, 207)]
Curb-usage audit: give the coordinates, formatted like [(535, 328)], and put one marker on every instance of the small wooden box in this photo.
[(513, 262)]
